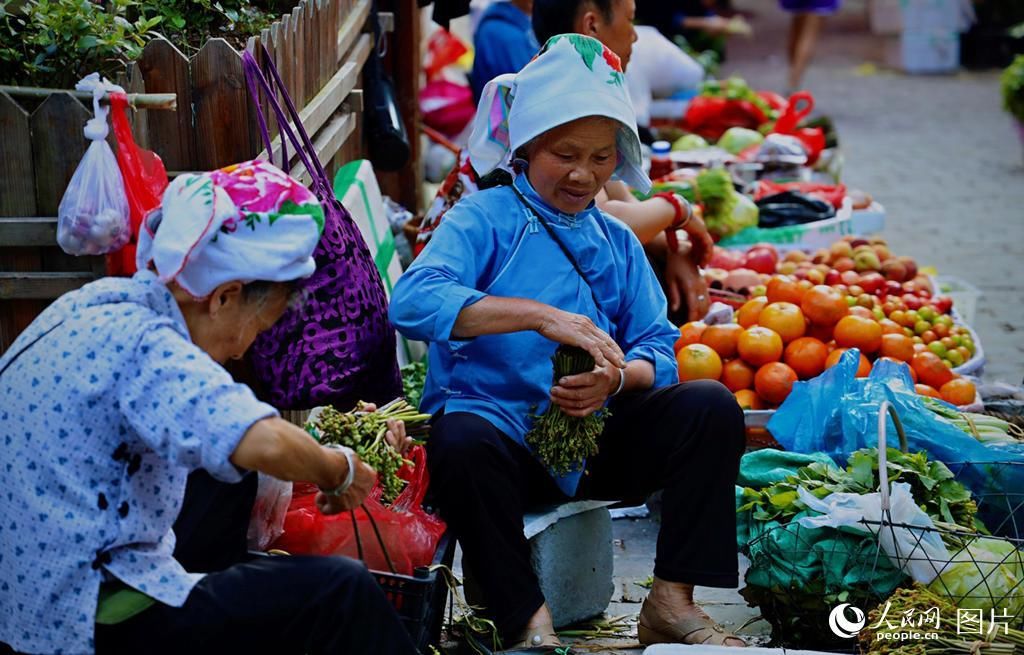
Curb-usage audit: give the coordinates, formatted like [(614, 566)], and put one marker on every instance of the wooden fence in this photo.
[(319, 49)]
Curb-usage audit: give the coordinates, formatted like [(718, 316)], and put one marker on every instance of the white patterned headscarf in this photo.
[(573, 76), (246, 222)]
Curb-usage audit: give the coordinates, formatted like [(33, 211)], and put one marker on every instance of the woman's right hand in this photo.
[(362, 484), (578, 330)]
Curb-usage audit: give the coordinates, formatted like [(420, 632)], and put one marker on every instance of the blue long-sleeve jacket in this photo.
[(489, 244)]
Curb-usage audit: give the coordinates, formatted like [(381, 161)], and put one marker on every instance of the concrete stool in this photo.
[(571, 551)]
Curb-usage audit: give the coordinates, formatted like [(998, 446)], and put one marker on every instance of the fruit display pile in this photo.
[(806, 309)]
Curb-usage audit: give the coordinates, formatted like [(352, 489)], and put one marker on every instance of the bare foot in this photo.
[(539, 630)]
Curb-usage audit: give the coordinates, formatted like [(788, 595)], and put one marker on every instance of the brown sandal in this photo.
[(693, 630)]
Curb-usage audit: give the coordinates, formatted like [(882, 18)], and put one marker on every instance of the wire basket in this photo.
[(798, 575)]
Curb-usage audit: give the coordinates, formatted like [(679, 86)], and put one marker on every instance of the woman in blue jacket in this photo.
[(513, 272)]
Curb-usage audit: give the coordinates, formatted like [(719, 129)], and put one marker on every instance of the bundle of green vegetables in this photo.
[(984, 637), (563, 442), (364, 432), (986, 429), (736, 88), (931, 483), (725, 212)]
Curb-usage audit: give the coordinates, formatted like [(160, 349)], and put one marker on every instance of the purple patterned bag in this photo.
[(337, 345)]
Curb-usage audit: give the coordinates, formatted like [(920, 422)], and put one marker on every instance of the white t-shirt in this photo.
[(657, 69)]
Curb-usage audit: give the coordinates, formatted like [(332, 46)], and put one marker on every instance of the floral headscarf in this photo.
[(572, 77), (245, 222)]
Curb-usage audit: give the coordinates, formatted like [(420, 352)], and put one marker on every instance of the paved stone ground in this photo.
[(945, 161)]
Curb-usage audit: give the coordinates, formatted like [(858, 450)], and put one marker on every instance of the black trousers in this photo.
[(274, 605), (686, 439), (212, 526)]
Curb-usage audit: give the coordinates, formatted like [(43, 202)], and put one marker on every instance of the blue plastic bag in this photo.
[(837, 413)]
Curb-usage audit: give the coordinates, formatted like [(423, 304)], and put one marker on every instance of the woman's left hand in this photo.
[(582, 395), (396, 432)]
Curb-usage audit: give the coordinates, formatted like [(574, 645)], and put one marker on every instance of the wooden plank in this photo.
[(327, 144), (352, 27), (171, 134), (312, 52), (298, 66), (331, 96), (28, 231), (221, 106), (57, 146), (22, 285), (139, 117), (17, 177)]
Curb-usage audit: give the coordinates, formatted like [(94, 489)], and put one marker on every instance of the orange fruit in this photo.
[(783, 288), (930, 369), (863, 312), (689, 333), (823, 305), (890, 326), (759, 346), (897, 346), (774, 381), (806, 356), (858, 332), (722, 339), (748, 399), (698, 362), (785, 319), (925, 390), (863, 368), (737, 375), (748, 313), (958, 392)]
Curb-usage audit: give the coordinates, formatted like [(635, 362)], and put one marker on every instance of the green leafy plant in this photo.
[(54, 43), (57, 42), (1012, 84)]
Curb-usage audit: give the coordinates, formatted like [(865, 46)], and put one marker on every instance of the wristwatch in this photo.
[(350, 458)]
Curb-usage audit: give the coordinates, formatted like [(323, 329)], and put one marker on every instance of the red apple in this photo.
[(893, 269), (910, 265), (833, 277), (912, 301), (844, 264), (872, 283), (893, 288), (762, 260), (856, 290), (850, 277), (942, 304), (728, 260)]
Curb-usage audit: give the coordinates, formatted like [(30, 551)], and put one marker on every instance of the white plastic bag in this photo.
[(93, 215), (918, 550), (268, 512)]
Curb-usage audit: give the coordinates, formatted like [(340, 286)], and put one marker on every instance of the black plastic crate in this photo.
[(420, 598)]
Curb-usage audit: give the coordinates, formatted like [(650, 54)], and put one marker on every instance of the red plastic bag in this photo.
[(409, 534), (447, 107), (710, 117), (443, 49), (144, 182), (813, 138)]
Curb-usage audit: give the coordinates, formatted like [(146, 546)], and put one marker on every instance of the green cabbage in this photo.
[(737, 139), (689, 142), (988, 574)]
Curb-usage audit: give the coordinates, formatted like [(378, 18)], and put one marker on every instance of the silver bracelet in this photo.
[(350, 477), (622, 381)]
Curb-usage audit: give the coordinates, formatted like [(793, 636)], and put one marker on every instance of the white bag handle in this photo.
[(886, 409)]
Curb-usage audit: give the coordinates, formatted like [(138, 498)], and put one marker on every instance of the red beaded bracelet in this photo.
[(681, 219)]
